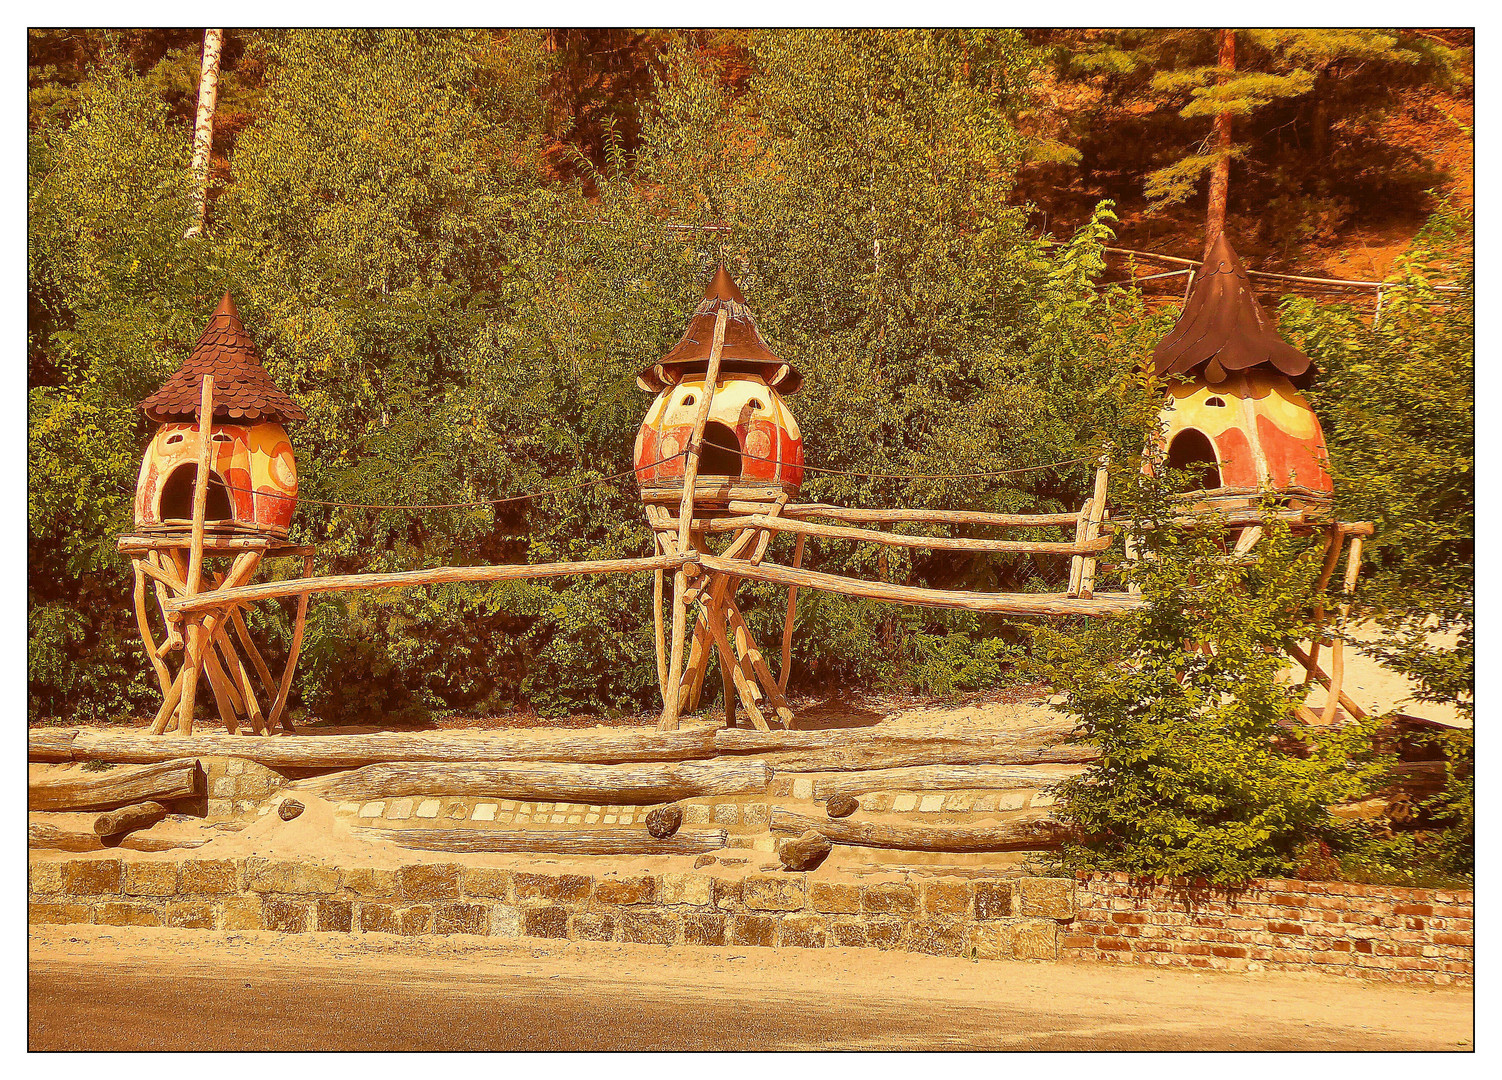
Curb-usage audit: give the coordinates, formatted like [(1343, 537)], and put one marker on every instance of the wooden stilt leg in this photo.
[(225, 699), (157, 560), (1332, 556), (669, 720), (263, 670), (194, 578), (239, 677), (163, 676), (787, 624), (746, 647), (662, 662), (169, 703), (277, 715), (742, 684)]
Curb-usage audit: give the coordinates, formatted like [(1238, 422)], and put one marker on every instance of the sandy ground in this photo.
[(136, 989)]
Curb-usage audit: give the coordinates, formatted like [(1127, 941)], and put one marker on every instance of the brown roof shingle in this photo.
[(243, 392), (744, 349), (1224, 330)]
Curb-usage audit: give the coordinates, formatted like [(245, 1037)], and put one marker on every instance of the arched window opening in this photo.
[(719, 456), (1193, 452), (176, 502)]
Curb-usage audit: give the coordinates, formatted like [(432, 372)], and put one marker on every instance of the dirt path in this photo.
[(128, 989)]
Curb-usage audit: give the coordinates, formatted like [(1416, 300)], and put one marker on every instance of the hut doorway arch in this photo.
[(1193, 451), (718, 457), (176, 501)]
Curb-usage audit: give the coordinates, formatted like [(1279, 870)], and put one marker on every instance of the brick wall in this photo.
[(985, 918), (1365, 931)]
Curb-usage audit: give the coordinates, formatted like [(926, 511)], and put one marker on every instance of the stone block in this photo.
[(256, 785), (428, 881), (55, 914), (904, 803), (948, 896), (285, 914), (886, 933), (368, 881), (803, 787), (559, 888), (234, 767), (591, 926), (487, 881), (125, 913), (484, 811), (649, 927), (726, 814), (696, 814), (756, 816), (191, 914), (851, 933), (461, 919), (993, 940), (1037, 939), (311, 879), (889, 898), (222, 787), (993, 899), (265, 875), (428, 808), (1046, 898), (240, 913), (377, 918), (399, 810), (678, 889), (219, 808), (417, 919), (834, 897), (545, 921), (930, 804), (804, 930), (45, 877), (1012, 800), (92, 877), (372, 809), (774, 892), (150, 878), (703, 929), (505, 921), (938, 937), (752, 930), (206, 877), (334, 915), (635, 889), (728, 892)]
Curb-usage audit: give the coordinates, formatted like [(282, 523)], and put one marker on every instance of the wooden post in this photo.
[(787, 625), (163, 676), (194, 651), (669, 721), (276, 715), (1092, 530)]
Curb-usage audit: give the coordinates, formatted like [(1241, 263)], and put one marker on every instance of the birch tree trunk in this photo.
[(1220, 174), (203, 129)]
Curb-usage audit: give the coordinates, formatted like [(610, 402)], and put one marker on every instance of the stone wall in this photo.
[(986, 918), (1365, 931)]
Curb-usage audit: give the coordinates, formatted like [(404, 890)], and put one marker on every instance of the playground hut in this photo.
[(751, 446), (253, 474), (1234, 414)]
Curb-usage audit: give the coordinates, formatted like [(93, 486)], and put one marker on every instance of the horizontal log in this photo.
[(1007, 603), (181, 778), (140, 815), (575, 842), (846, 750), (43, 834), (593, 745), (50, 744), (936, 778), (548, 781), (438, 575), (915, 514), (1039, 834), (891, 539)]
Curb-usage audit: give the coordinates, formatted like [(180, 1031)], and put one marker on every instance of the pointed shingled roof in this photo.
[(1224, 330), (744, 349), (243, 392)]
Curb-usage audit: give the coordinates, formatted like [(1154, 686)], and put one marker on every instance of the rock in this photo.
[(704, 860), (840, 806), (805, 852), (289, 809), (664, 821)]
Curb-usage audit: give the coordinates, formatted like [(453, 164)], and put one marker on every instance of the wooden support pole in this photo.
[(874, 536), (195, 557), (748, 650), (1092, 530), (669, 721), (277, 715), (914, 514), (728, 662), (240, 679), (263, 670), (163, 676), (787, 624)]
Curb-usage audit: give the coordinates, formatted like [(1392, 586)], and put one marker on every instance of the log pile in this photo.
[(181, 778)]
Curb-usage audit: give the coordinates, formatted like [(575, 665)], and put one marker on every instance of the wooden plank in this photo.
[(438, 575), (919, 515), (589, 745), (1009, 603), (1041, 834), (560, 842), (640, 784), (180, 778)]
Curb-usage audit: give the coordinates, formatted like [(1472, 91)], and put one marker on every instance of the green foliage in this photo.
[(1201, 773)]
